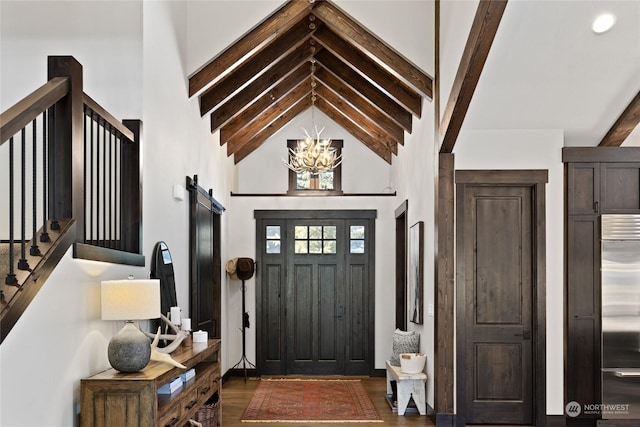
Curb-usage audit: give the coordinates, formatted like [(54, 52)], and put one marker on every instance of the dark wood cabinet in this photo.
[(583, 188), (620, 187), (582, 364), (599, 180)]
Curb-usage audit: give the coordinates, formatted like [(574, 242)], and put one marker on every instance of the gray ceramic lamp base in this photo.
[(129, 350)]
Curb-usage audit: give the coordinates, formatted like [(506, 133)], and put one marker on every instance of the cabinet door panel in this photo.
[(620, 187), (583, 188), (582, 368)]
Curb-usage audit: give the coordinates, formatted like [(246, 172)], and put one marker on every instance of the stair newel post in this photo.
[(131, 189), (66, 147)]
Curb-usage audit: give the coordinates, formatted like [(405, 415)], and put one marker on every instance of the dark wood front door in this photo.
[(315, 294), (315, 297), (497, 267)]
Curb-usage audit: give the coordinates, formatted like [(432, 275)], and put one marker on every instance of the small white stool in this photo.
[(407, 385)]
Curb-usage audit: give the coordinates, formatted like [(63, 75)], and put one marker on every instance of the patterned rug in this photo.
[(310, 401)]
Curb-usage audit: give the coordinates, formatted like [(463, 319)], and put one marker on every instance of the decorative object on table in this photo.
[(177, 338), (188, 375), (243, 269), (415, 280), (412, 363), (171, 387), (306, 401), (159, 356), (130, 300), (403, 342), (176, 316), (200, 336), (186, 328)]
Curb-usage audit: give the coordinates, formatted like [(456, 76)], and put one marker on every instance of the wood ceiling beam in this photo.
[(256, 88), (268, 115), (273, 127), (334, 114), (481, 36), (255, 110), (362, 104), (257, 64), (351, 30), (278, 22), (625, 124), (396, 88), (364, 122), (361, 85)]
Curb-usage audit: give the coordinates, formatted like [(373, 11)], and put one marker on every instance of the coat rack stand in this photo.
[(245, 324)]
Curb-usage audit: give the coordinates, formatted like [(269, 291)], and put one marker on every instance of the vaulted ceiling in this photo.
[(261, 82)]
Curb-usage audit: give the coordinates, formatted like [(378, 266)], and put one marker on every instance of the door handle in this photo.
[(526, 334)]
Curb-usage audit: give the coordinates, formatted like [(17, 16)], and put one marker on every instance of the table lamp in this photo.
[(130, 350)]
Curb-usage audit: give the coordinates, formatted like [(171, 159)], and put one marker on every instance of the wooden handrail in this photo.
[(107, 117), (30, 107)]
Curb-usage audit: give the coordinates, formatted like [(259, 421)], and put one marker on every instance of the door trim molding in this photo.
[(401, 235), (537, 180)]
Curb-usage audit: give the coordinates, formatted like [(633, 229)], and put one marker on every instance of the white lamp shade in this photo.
[(130, 299)]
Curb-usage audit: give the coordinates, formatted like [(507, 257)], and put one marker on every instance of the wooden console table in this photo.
[(113, 398)]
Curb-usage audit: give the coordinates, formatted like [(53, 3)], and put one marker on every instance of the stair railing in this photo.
[(73, 176)]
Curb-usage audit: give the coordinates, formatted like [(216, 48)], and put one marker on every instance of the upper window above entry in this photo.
[(325, 183)]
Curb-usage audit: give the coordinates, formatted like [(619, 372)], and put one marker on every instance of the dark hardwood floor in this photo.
[(236, 394)]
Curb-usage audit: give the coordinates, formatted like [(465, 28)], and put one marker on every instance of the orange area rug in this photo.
[(310, 401)]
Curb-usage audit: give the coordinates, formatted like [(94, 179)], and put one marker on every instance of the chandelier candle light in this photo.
[(313, 154)]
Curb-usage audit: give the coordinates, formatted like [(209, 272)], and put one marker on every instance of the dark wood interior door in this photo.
[(495, 304)]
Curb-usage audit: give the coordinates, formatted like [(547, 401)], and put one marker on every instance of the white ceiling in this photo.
[(548, 70)]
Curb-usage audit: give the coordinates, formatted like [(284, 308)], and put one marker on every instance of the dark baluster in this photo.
[(85, 142), (44, 236), (104, 184), (11, 276), (52, 173), (34, 250), (110, 176), (97, 195), (91, 178), (23, 264), (118, 207)]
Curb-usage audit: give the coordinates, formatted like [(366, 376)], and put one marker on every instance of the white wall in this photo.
[(414, 177), (242, 227), (263, 171), (60, 337), (529, 149)]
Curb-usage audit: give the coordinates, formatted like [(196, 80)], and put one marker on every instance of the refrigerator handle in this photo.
[(627, 374)]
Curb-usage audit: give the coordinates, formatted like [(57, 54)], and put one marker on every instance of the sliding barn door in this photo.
[(204, 260)]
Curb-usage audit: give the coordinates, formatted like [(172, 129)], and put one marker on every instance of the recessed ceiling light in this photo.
[(603, 23)]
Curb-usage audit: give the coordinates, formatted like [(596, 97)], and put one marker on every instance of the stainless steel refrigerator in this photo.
[(620, 317)]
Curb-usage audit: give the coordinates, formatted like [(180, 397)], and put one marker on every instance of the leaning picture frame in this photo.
[(415, 276)]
